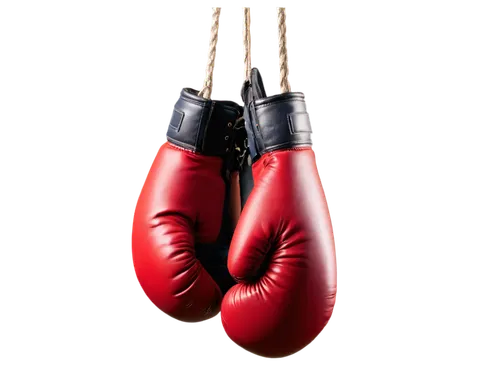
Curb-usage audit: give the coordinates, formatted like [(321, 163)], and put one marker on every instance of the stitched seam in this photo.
[(287, 143), (199, 104), (174, 142), (257, 106)]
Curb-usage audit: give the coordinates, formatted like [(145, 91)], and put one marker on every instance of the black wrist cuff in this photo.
[(275, 122), (203, 125), (281, 121)]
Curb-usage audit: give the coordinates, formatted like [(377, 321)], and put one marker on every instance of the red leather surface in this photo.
[(181, 204), (283, 255)]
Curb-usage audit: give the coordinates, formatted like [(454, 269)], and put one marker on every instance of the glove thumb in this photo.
[(251, 243)]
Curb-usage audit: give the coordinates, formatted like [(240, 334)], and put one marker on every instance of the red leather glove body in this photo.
[(181, 226), (282, 253)]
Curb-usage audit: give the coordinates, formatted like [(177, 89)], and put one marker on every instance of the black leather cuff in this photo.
[(275, 122), (281, 121), (203, 125)]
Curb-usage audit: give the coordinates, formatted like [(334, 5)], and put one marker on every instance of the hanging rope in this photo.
[(284, 84), (247, 42), (206, 91)]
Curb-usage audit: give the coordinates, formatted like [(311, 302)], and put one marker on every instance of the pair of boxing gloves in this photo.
[(207, 237)]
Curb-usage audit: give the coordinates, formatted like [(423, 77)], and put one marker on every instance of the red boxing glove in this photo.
[(181, 230), (282, 253)]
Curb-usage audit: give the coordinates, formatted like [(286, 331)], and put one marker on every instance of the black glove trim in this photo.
[(275, 122), (203, 125)]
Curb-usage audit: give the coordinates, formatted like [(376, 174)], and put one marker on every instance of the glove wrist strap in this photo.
[(275, 122), (203, 125)]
